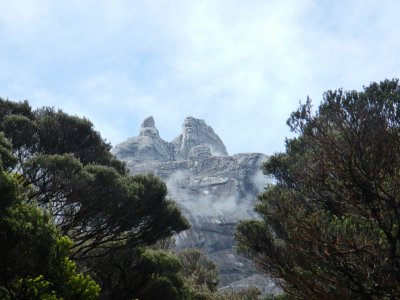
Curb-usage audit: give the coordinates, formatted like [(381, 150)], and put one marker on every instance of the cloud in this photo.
[(213, 198), (242, 66)]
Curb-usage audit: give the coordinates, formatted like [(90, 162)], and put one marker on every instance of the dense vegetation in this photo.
[(329, 226), (34, 260), (75, 225)]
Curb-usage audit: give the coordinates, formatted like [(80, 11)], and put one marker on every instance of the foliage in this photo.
[(330, 226), (142, 273), (34, 257), (7, 160), (61, 280), (282, 296), (58, 179), (250, 293), (72, 174), (68, 205), (160, 275), (197, 267), (95, 205), (8, 183), (47, 131), (26, 241), (153, 274)]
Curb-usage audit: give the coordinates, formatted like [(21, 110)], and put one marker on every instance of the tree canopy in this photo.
[(65, 200), (88, 192), (329, 226), (34, 257)]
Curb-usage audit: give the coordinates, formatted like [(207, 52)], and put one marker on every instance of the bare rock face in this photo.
[(196, 132), (148, 146), (213, 189)]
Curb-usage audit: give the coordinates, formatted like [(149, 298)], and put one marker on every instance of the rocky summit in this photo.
[(213, 189)]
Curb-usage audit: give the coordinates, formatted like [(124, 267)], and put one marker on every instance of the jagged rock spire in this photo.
[(149, 144), (214, 190), (148, 122), (148, 128), (197, 132)]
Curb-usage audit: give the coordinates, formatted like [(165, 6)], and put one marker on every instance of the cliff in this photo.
[(213, 189)]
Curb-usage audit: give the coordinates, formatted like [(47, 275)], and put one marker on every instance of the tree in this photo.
[(34, 260), (46, 131), (59, 182), (96, 206), (197, 267), (8, 186), (142, 273), (248, 293), (329, 227), (90, 195)]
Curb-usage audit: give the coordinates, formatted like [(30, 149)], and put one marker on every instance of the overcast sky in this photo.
[(242, 66)]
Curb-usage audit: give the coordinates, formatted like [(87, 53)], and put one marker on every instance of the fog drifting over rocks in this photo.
[(214, 190)]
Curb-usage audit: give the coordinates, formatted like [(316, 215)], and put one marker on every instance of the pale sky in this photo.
[(241, 65)]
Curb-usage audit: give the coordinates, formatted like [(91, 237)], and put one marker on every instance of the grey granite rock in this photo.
[(213, 189), (196, 132), (148, 146)]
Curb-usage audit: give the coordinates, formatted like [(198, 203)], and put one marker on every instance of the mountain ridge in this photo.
[(213, 189)]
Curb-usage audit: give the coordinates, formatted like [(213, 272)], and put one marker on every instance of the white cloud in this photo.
[(242, 66)]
